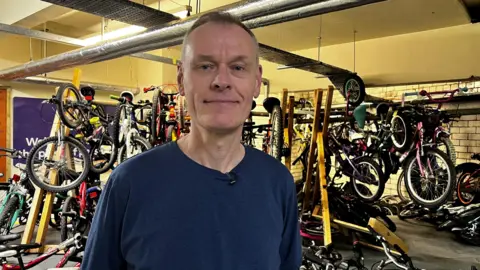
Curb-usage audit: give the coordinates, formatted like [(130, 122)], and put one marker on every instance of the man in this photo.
[(205, 202)]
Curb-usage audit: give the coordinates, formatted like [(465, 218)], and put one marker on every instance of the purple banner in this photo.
[(32, 121)]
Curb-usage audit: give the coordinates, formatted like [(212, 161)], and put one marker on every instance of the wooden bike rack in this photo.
[(39, 193), (319, 135)]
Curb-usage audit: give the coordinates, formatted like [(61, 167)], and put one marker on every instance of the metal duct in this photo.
[(59, 82), (119, 10), (162, 37)]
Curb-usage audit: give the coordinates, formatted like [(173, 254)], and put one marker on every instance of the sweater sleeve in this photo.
[(290, 248), (104, 239)]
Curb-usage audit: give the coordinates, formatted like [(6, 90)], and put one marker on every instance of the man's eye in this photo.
[(238, 68), (205, 67)]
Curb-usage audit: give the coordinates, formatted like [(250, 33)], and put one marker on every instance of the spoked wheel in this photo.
[(120, 127), (445, 145), (467, 187), (68, 223), (7, 215), (138, 145), (436, 185), (276, 133), (69, 174), (67, 97), (156, 123), (401, 189), (368, 183), (401, 132), (354, 88), (172, 133), (103, 155)]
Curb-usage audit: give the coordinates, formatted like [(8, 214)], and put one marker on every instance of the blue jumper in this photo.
[(160, 210)]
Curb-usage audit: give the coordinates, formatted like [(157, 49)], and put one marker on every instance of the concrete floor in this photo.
[(428, 248)]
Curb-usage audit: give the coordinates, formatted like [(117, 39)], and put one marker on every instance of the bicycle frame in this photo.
[(72, 244)]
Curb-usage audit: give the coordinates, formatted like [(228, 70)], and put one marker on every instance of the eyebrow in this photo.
[(206, 57)]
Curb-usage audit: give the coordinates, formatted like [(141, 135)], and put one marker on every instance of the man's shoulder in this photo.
[(268, 162), (152, 159)]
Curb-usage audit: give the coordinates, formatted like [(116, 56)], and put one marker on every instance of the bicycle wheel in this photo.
[(139, 145), (156, 123), (421, 189), (370, 174), (276, 133), (401, 132), (67, 223), (401, 189), (67, 97), (103, 155), (118, 128), (445, 142), (7, 215), (356, 88), (171, 134), (69, 176), (466, 179)]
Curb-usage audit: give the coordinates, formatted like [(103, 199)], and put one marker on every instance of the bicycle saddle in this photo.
[(270, 102), (476, 156), (19, 247), (9, 237), (382, 109), (254, 104), (88, 92), (128, 95)]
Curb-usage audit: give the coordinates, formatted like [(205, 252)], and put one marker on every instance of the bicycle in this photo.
[(128, 133), (14, 206), (468, 184), (165, 127), (73, 248), (75, 160), (403, 261)]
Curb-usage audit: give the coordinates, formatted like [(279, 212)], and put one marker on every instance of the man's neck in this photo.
[(220, 152)]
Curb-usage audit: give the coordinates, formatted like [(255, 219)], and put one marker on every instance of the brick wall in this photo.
[(465, 132)]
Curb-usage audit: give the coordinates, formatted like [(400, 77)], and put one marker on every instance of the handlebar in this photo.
[(13, 153), (121, 99), (148, 89), (406, 266)]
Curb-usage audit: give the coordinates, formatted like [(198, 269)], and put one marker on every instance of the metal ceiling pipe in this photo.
[(60, 82), (16, 30), (163, 36)]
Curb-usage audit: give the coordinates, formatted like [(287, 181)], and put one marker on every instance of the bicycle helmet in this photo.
[(88, 92), (128, 95)]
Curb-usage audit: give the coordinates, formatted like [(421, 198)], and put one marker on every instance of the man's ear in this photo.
[(258, 81), (181, 88)]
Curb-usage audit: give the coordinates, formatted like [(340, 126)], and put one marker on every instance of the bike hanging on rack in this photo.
[(166, 125), (75, 161), (129, 135)]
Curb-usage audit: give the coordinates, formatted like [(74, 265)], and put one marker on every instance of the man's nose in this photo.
[(222, 80)]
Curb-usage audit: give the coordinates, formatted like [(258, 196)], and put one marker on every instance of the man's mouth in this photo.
[(220, 101)]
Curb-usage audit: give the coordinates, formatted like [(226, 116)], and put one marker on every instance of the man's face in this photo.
[(219, 76)]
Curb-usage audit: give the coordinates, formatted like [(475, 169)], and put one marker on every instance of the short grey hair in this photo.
[(219, 17)]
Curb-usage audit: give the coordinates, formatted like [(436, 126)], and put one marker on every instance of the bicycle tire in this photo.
[(7, 213), (361, 91), (381, 181), (116, 125), (68, 205), (450, 180), (55, 189), (111, 160), (61, 109), (135, 139), (461, 198), (401, 146), (451, 153), (400, 184), (171, 134), (276, 141), (155, 124)]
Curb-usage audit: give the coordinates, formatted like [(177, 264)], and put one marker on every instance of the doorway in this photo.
[(3, 132)]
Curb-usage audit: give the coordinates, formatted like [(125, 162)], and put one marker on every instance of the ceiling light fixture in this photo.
[(122, 32)]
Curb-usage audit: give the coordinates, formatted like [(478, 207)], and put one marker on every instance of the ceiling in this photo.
[(392, 17)]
